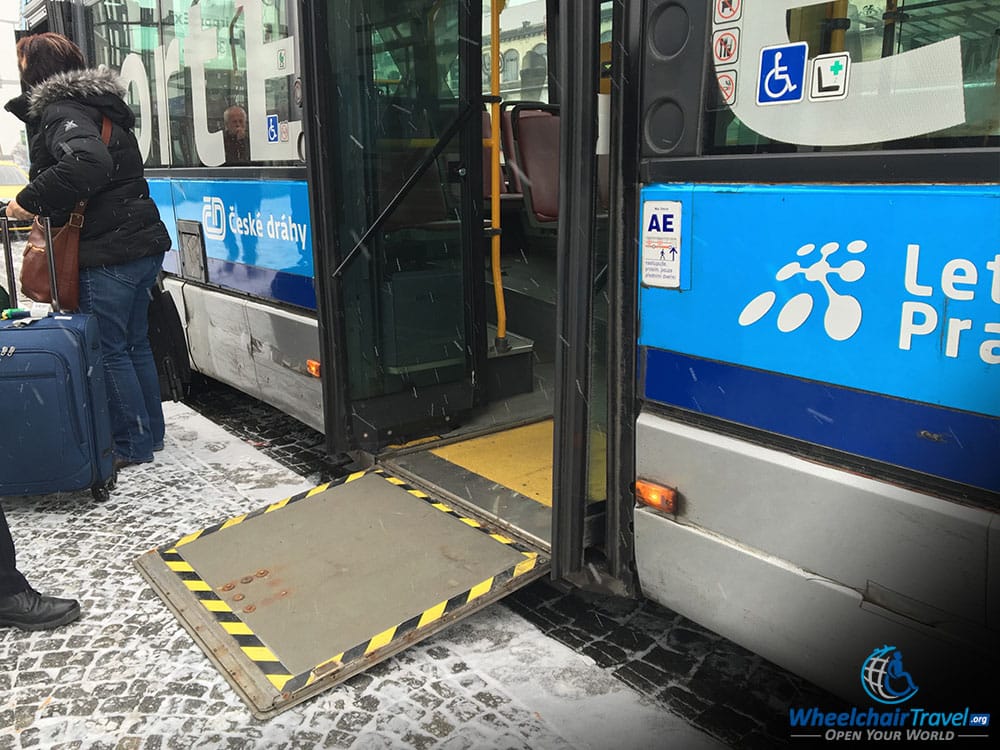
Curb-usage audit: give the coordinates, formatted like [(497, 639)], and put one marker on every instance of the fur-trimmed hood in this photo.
[(92, 83), (64, 117)]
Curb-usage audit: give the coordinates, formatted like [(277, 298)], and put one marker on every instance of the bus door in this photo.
[(428, 332), (533, 453), (399, 233)]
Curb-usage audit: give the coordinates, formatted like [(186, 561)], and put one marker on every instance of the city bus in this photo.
[(689, 299)]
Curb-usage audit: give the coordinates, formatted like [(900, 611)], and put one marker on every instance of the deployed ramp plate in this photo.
[(297, 596)]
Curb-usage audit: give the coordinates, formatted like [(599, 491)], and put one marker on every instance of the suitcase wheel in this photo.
[(102, 492)]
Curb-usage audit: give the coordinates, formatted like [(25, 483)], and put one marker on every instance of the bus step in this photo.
[(509, 372)]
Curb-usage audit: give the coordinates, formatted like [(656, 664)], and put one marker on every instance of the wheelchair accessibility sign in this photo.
[(782, 75)]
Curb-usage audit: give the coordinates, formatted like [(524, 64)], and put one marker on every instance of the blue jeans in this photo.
[(118, 296)]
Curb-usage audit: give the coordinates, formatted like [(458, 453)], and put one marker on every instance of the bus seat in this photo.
[(535, 131), (511, 167), (507, 144)]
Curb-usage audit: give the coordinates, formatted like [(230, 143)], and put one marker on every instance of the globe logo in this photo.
[(842, 316), (883, 676)]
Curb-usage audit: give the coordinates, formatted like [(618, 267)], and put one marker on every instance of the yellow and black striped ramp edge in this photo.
[(298, 595)]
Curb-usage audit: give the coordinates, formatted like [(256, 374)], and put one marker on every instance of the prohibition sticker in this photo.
[(726, 46), (661, 244), (727, 86), (728, 10)]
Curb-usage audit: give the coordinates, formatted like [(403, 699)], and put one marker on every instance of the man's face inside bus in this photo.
[(235, 122)]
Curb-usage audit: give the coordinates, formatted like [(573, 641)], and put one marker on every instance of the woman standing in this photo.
[(122, 240)]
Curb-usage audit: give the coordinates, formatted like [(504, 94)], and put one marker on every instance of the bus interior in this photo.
[(425, 308)]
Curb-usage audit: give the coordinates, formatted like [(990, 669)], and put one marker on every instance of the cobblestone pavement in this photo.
[(127, 676), (719, 687)]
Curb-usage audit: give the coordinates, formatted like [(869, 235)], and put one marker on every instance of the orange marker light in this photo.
[(656, 496), (312, 365)]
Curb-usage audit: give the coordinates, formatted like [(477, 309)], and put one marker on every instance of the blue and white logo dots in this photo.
[(782, 74), (884, 677), (842, 316)]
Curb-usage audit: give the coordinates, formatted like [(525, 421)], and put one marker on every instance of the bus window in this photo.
[(880, 48), (388, 79), (211, 83), (392, 59), (125, 38)]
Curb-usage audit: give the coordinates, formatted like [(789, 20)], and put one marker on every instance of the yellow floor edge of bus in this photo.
[(520, 459)]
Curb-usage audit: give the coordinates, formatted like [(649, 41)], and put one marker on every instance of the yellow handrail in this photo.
[(496, 6), (837, 37)]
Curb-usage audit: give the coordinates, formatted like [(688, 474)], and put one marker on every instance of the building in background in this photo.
[(523, 52), (524, 49)]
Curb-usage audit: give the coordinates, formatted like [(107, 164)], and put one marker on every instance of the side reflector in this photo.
[(656, 496), (312, 366)]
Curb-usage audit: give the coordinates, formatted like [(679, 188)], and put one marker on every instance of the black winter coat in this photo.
[(69, 163)]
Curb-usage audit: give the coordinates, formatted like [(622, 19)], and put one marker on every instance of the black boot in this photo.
[(29, 610)]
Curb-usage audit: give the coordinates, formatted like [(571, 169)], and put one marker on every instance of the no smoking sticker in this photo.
[(727, 86)]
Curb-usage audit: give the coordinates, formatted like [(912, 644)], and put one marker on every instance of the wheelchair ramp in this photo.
[(297, 596)]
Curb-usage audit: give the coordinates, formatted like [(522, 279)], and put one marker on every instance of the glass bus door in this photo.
[(410, 349), (398, 231)]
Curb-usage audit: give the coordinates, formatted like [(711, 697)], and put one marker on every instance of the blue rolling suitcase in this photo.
[(55, 430)]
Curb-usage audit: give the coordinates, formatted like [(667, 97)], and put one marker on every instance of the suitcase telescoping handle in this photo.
[(46, 223), (50, 254), (8, 255)]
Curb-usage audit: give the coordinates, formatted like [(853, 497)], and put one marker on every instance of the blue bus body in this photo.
[(819, 382), (257, 234), (751, 333)]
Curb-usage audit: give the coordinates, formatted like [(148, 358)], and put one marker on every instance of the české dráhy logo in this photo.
[(884, 678), (843, 312), (213, 218)]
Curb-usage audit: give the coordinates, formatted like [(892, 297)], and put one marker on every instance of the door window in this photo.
[(404, 287)]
